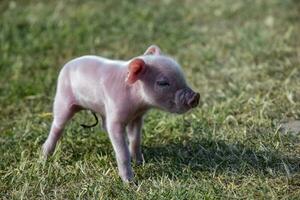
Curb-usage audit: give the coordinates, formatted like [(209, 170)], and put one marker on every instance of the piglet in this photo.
[(121, 92)]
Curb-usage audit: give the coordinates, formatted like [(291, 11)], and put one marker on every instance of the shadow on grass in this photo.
[(218, 157), (174, 158)]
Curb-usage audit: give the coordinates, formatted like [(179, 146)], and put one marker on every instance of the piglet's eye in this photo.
[(163, 83)]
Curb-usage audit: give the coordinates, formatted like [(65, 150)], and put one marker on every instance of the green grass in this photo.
[(242, 56)]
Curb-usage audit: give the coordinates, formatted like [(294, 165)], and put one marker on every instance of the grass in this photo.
[(242, 56)]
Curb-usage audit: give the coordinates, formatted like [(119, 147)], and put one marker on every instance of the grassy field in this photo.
[(242, 56)]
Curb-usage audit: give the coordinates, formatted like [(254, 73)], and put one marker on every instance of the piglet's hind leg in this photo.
[(62, 114)]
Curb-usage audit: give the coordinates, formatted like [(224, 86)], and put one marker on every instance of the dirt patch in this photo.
[(290, 126)]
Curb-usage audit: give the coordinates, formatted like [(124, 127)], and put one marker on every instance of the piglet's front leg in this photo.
[(117, 134), (134, 129)]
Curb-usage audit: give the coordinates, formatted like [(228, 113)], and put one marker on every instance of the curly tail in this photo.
[(93, 125)]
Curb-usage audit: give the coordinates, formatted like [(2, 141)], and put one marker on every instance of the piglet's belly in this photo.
[(87, 101), (87, 91)]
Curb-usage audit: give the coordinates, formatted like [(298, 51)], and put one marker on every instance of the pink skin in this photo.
[(121, 92)]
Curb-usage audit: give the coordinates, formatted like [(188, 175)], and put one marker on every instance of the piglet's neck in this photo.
[(137, 99)]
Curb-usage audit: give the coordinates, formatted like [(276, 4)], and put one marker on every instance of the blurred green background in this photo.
[(242, 56)]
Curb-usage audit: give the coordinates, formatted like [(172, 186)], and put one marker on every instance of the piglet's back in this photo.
[(86, 76)]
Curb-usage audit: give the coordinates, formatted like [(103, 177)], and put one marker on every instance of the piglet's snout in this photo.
[(187, 97), (194, 100)]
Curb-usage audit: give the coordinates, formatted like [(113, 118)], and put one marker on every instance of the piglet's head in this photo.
[(162, 83)]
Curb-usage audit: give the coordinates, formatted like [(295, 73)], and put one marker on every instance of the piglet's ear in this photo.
[(135, 68), (152, 50)]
